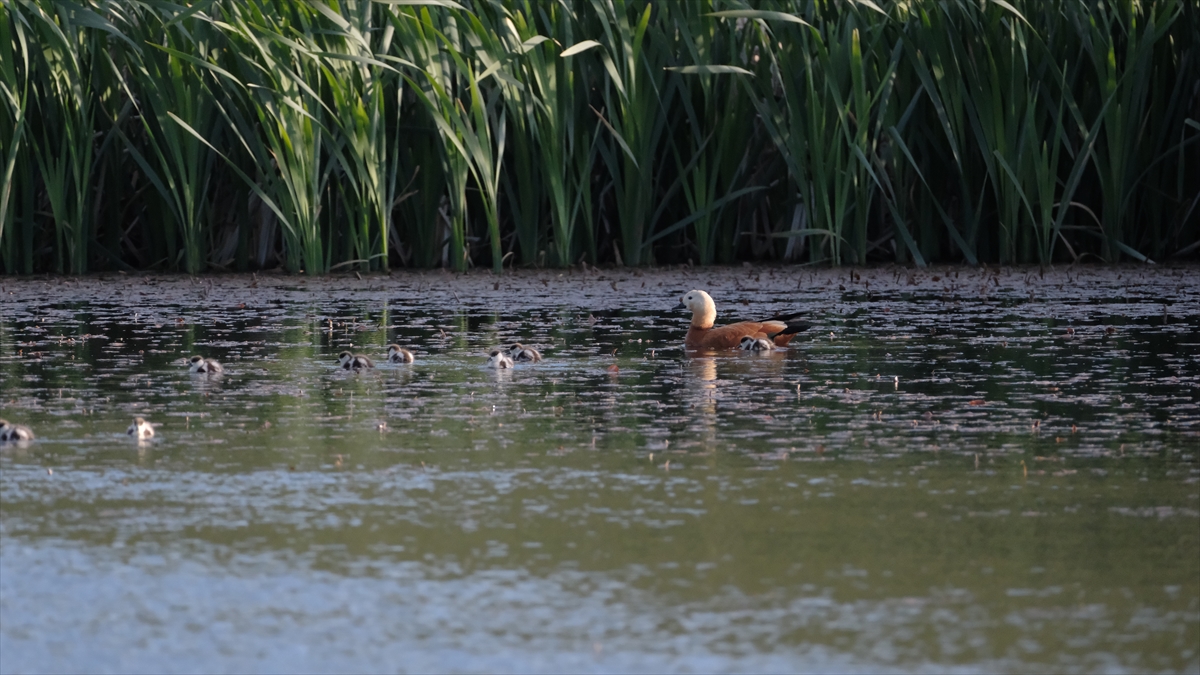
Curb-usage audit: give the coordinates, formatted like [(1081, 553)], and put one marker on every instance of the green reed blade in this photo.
[(14, 93)]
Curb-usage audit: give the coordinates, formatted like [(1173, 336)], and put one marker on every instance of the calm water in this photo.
[(954, 470)]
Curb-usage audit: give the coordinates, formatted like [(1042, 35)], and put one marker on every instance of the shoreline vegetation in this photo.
[(318, 136)]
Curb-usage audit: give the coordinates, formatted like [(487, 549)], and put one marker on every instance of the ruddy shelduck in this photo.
[(140, 428), (354, 362), (398, 354), (204, 366), (701, 335)]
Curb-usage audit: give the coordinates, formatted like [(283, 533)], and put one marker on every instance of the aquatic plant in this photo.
[(317, 135)]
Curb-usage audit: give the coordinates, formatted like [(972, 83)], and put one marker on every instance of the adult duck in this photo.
[(702, 335)]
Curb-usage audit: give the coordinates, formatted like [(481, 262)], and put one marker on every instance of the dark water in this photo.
[(954, 470)]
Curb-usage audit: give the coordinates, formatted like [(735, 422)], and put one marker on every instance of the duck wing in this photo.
[(786, 326), (728, 337)]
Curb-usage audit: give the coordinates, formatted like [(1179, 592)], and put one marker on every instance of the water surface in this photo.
[(961, 470)]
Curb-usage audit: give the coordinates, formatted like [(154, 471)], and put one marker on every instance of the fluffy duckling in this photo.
[(398, 354), (354, 361), (199, 364), (140, 428), (14, 432), (519, 352), (498, 359), (753, 344), (701, 335)]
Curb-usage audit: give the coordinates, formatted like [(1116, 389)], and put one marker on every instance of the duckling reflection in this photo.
[(355, 362), (499, 360), (398, 354), (14, 433), (201, 365), (519, 352), (140, 429), (756, 344)]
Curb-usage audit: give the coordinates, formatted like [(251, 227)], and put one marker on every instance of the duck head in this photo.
[(704, 312)]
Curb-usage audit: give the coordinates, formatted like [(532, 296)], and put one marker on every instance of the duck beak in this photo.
[(679, 306)]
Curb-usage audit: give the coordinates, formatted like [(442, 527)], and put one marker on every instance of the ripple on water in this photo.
[(966, 470)]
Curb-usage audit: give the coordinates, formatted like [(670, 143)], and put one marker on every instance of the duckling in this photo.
[(140, 428), (520, 352), (498, 359), (354, 361), (753, 344), (398, 354), (199, 364), (14, 432), (701, 334)]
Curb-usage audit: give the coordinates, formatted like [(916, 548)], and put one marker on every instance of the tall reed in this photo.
[(14, 96), (327, 134), (175, 91), (444, 79), (715, 155), (274, 44), (636, 95), (69, 51), (364, 93)]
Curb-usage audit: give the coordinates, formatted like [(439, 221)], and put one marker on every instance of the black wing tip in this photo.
[(793, 323)]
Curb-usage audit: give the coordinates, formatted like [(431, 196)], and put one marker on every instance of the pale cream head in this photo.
[(704, 312)]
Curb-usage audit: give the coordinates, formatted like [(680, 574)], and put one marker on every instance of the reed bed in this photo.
[(318, 135)]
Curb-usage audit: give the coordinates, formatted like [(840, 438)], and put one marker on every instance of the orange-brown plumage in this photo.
[(702, 335)]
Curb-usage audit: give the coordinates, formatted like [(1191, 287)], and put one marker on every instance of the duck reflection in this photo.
[(702, 399), (704, 369)]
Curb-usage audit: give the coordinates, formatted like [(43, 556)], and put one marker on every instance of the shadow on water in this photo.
[(960, 470)]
